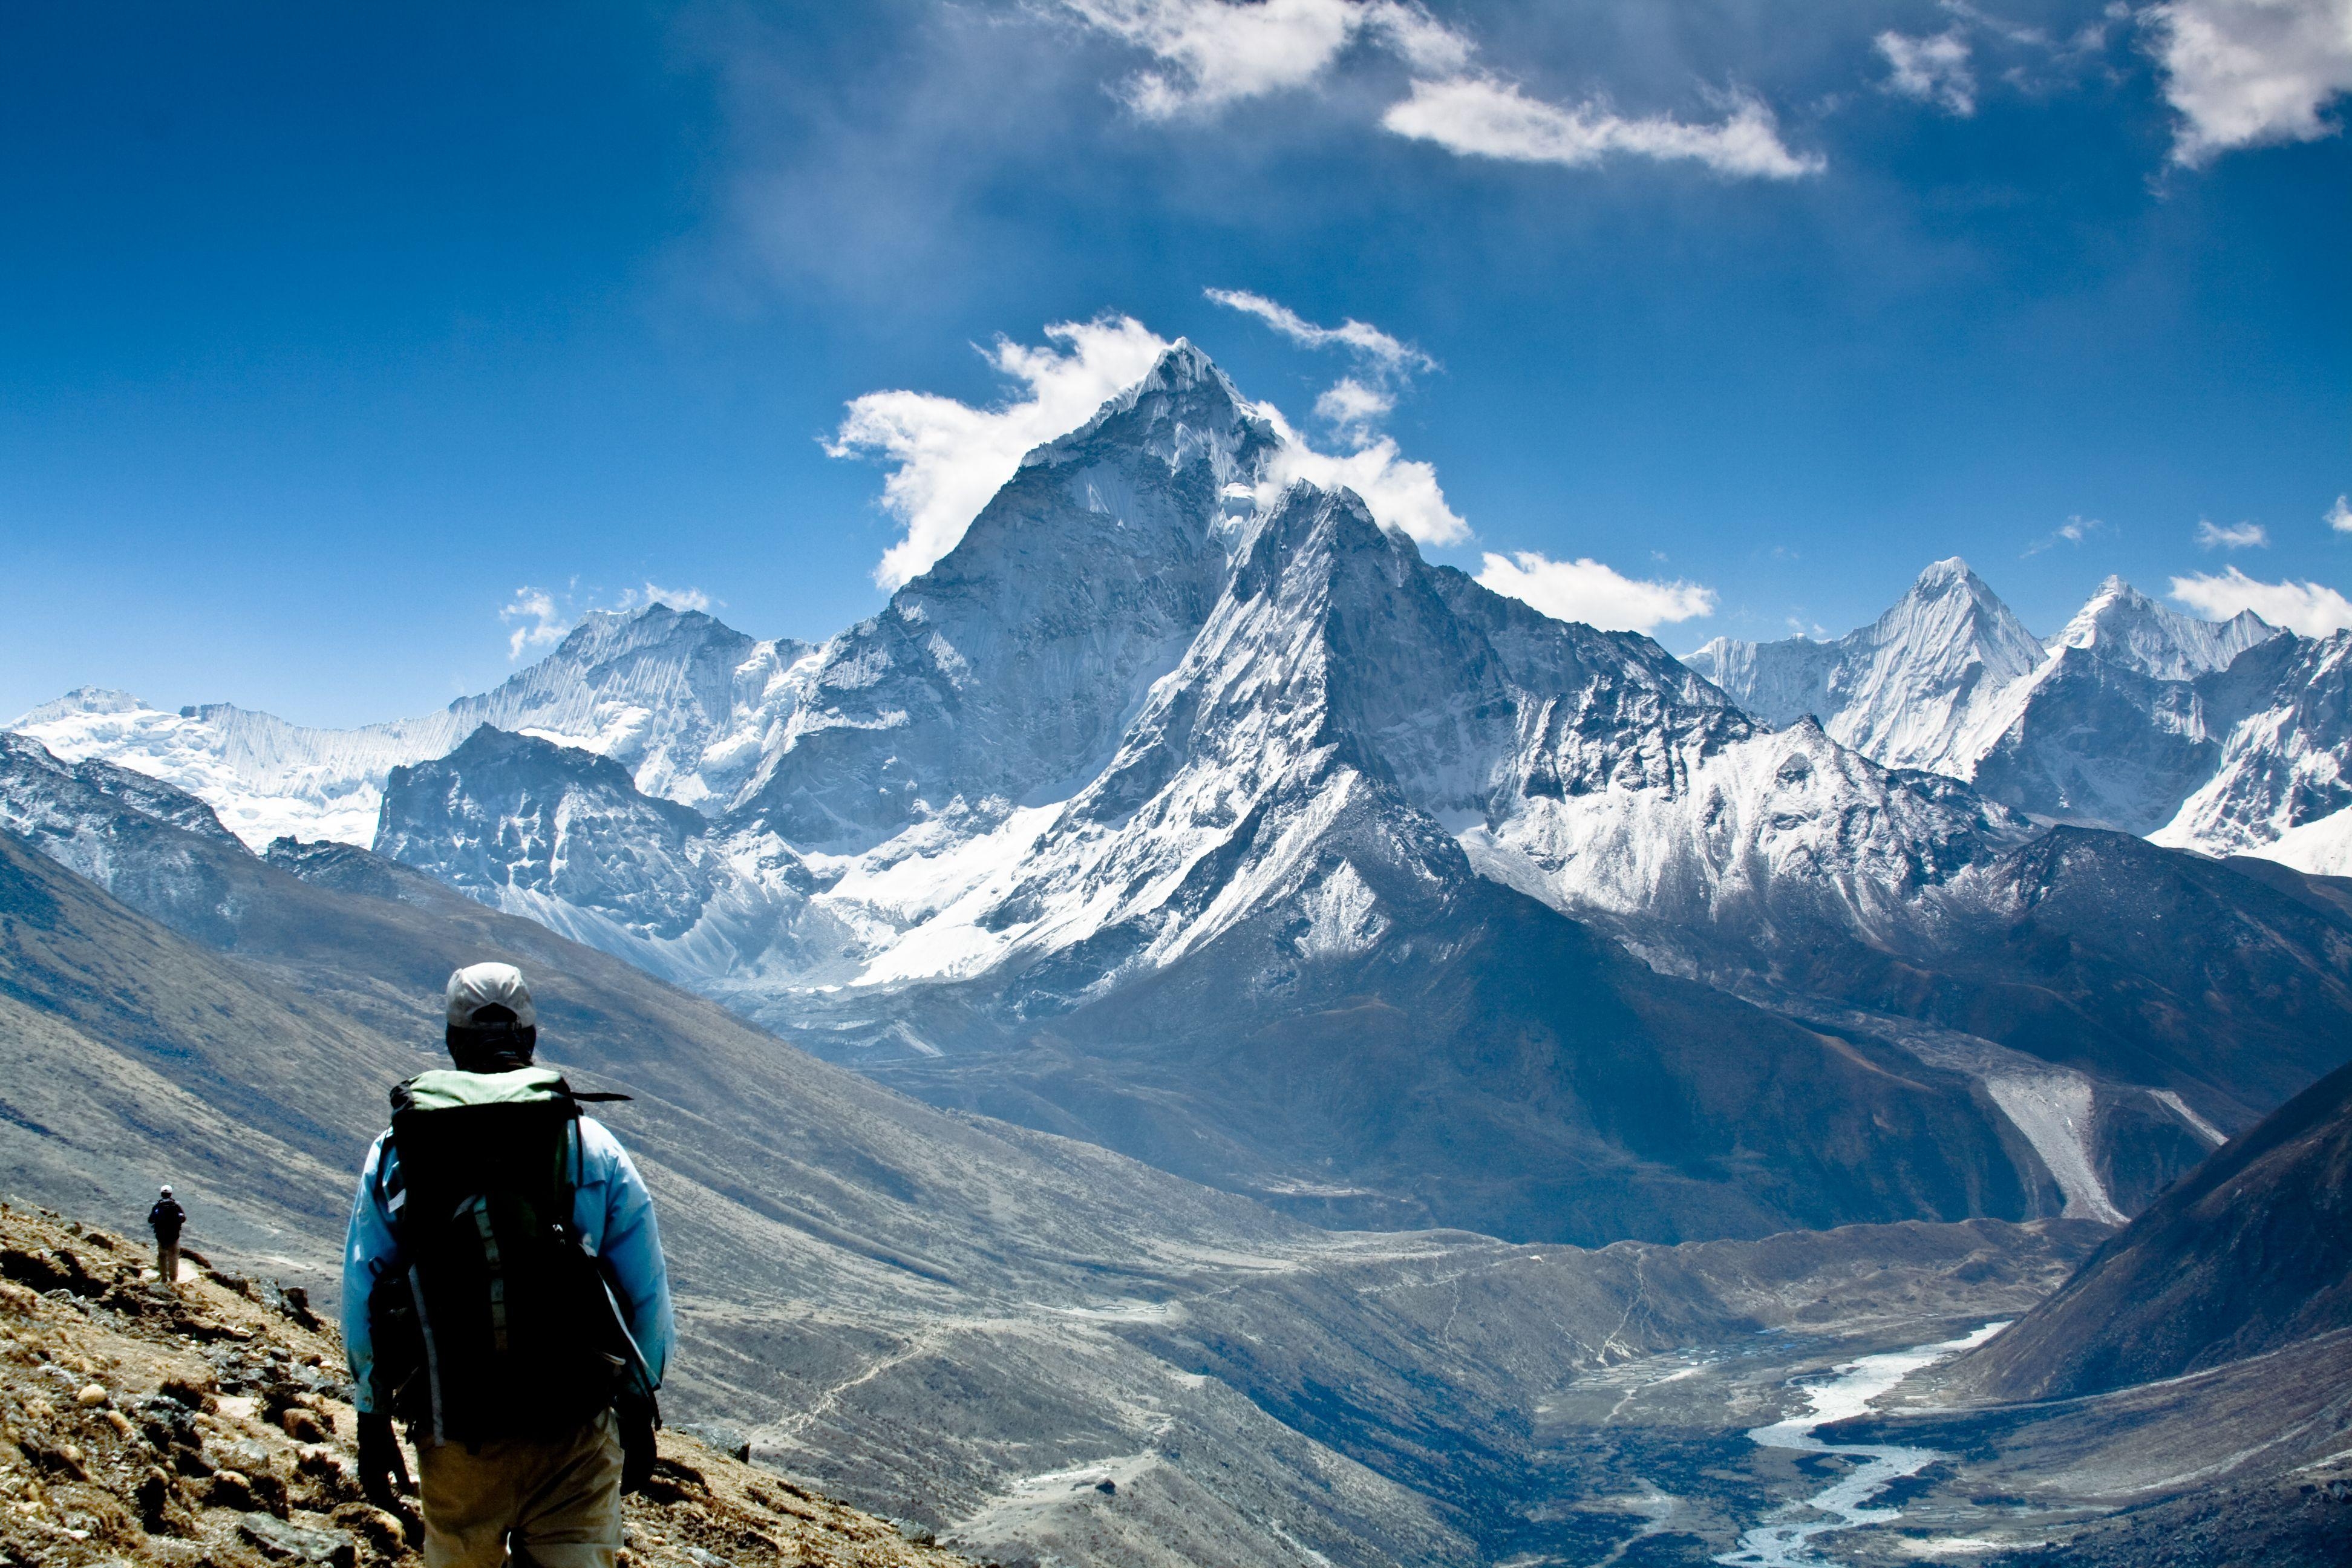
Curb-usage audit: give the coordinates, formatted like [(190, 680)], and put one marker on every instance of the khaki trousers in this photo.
[(167, 1260), (555, 1501)]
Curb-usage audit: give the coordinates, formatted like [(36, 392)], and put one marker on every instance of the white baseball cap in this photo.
[(480, 986)]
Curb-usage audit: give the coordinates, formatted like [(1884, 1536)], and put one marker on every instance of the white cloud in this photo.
[(1389, 355), (2073, 530), (1588, 591), (2310, 608), (1355, 404), (949, 458), (2339, 516), (1482, 116), (1402, 492), (2243, 73), (2238, 536), (1933, 70), (1354, 409), (536, 621), (654, 594), (1214, 52)]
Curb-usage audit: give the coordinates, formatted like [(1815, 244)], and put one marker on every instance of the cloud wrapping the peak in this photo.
[(1933, 69), (2245, 73), (1402, 492), (1480, 116), (2237, 536), (2311, 608), (949, 458), (1594, 592)]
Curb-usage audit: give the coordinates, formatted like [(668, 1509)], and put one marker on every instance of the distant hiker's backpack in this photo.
[(503, 1325)]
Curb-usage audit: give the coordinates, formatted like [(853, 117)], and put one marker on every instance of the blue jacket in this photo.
[(613, 1212)]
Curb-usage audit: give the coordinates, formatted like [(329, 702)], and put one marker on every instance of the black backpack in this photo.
[(503, 1325)]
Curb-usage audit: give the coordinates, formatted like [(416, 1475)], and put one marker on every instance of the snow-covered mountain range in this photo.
[(1197, 814), (2227, 738)]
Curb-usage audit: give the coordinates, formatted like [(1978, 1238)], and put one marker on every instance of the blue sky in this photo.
[(331, 330)]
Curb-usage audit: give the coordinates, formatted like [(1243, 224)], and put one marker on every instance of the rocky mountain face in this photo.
[(1162, 757)]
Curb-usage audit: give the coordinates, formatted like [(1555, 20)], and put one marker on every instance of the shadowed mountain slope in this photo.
[(2251, 1253)]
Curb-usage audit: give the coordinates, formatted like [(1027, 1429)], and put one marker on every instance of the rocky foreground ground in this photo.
[(209, 1425)]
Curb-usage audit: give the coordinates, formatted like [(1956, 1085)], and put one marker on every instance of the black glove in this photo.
[(640, 1417), (383, 1470)]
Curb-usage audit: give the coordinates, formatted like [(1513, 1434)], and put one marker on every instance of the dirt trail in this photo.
[(209, 1428)]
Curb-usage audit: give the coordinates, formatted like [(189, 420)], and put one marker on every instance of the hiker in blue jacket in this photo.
[(504, 1294)]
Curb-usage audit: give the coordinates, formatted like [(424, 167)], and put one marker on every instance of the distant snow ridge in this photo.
[(2125, 626), (683, 702), (1903, 690), (2227, 737)]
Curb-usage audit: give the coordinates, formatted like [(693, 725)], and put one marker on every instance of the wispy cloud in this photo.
[(1483, 116), (649, 593), (1596, 593), (948, 457), (1211, 53), (1355, 406), (1933, 69), (535, 620), (2237, 536), (1390, 355), (2311, 608), (2243, 73), (1350, 405), (2339, 516), (2073, 530)]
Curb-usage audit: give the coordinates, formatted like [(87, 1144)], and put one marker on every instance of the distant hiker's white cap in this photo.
[(480, 986), (167, 1189)]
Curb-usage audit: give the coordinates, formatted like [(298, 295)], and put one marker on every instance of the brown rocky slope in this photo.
[(208, 1425)]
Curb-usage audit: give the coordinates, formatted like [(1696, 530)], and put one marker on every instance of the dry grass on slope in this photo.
[(208, 1428)]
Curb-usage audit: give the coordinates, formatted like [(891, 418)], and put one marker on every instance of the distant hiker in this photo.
[(167, 1219), (504, 1295)]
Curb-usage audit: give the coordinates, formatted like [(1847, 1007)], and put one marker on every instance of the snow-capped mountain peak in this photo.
[(1184, 405), (1902, 690), (2127, 628)]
